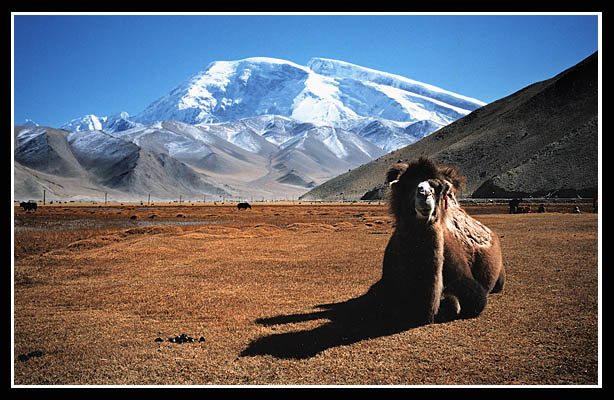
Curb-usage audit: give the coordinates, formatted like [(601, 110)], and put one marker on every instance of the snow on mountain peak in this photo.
[(112, 123), (325, 92), (29, 122), (88, 122), (343, 69)]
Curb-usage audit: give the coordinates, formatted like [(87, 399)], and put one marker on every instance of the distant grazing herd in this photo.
[(30, 205), (27, 206), (514, 204), (440, 263)]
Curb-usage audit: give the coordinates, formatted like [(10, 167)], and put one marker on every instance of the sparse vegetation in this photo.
[(94, 290)]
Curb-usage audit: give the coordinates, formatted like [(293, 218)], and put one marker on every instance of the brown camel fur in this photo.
[(440, 263)]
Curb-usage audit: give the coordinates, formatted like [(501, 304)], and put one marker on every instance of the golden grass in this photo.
[(94, 288)]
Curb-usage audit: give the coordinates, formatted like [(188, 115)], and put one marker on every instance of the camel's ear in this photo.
[(447, 187), (452, 176), (445, 190), (395, 172)]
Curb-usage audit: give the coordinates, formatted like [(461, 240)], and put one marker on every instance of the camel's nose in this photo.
[(424, 189), (425, 199)]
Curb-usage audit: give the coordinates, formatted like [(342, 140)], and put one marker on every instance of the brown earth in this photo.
[(94, 287)]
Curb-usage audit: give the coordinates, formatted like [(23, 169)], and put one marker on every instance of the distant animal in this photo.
[(440, 263), (523, 210), (243, 206), (514, 205), (27, 206)]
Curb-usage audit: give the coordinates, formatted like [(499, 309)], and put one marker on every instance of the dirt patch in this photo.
[(310, 228), (92, 243)]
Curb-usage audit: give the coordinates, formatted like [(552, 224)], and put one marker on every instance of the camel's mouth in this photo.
[(425, 206), (424, 211)]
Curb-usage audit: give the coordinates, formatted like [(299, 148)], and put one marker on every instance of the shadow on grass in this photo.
[(349, 322)]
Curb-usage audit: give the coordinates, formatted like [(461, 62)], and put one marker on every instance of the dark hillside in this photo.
[(539, 141)]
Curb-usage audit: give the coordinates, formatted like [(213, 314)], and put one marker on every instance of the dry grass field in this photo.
[(98, 292)]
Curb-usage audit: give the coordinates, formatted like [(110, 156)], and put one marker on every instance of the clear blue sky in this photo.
[(66, 66)]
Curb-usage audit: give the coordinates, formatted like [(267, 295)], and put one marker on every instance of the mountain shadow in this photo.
[(350, 321)]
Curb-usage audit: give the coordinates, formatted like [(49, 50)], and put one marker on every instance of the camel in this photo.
[(440, 263)]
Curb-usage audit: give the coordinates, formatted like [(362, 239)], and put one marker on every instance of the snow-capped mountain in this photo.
[(87, 164), (88, 122), (326, 92), (409, 90), (258, 151), (231, 160), (112, 123), (260, 127), (29, 122)]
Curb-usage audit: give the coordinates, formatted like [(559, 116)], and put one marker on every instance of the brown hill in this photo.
[(541, 141)]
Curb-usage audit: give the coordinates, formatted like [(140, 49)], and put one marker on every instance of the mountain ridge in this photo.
[(335, 130), (198, 158), (258, 126), (339, 97), (539, 141), (98, 163)]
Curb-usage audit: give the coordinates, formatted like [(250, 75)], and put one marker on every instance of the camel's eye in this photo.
[(436, 185), (424, 189)]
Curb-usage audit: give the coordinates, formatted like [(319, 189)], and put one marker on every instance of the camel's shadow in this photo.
[(350, 321)]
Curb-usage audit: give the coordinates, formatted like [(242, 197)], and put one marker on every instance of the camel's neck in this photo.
[(423, 233)]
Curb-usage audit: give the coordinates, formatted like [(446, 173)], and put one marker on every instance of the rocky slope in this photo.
[(539, 141)]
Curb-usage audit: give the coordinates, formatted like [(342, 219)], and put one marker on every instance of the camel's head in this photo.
[(420, 190), (427, 195)]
